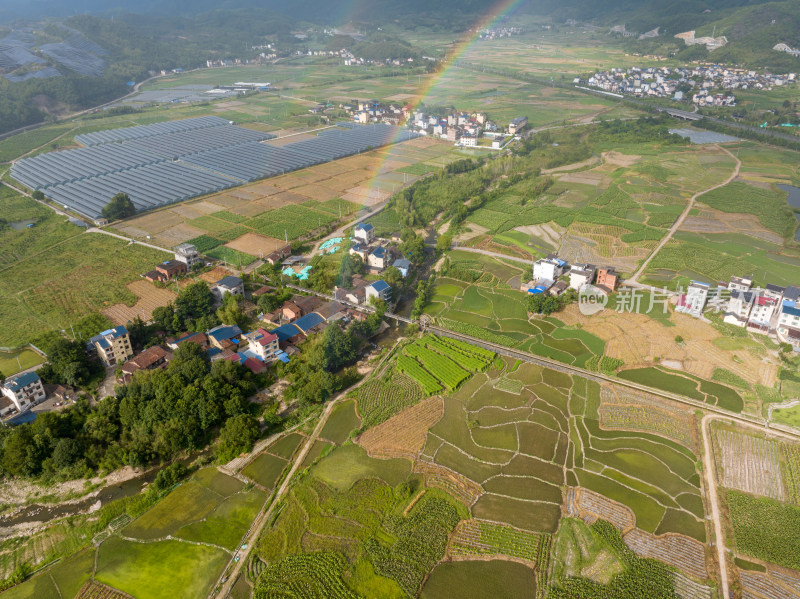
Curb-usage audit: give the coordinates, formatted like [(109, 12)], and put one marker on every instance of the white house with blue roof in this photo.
[(364, 232), (379, 289), (24, 391), (229, 285), (789, 318), (378, 259)]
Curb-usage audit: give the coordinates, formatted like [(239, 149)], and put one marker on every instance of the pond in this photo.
[(21, 224), (794, 202)]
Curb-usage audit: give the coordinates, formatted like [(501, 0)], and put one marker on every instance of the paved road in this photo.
[(685, 213)]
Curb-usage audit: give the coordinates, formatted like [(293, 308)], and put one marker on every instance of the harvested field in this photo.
[(404, 434), (214, 275), (685, 588), (678, 551), (716, 221), (255, 244), (593, 504), (756, 585), (150, 298), (618, 159), (627, 409), (97, 590), (637, 339), (790, 579), (750, 464), (439, 477), (480, 538), (587, 178)]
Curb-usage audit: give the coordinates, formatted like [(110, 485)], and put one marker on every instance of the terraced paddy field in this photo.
[(175, 549), (478, 477)]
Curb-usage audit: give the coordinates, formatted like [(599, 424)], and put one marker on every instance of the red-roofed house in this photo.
[(263, 343), (256, 366)]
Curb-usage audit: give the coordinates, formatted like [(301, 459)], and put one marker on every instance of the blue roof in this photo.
[(283, 358), (103, 342), (380, 285), (213, 352), (791, 310), (379, 251), (230, 281), (402, 263), (115, 332), (286, 331), (535, 290), (22, 380), (308, 321), (224, 332), (364, 227)]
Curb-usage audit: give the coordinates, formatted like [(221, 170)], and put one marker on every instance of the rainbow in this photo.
[(498, 11)]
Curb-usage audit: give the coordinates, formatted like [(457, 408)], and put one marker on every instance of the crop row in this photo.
[(429, 383), (379, 400), (95, 590), (306, 576), (479, 332), (447, 371), (791, 472), (475, 537), (477, 362)]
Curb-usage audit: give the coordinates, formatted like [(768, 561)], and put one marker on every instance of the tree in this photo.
[(230, 312), (443, 242), (2, 378), (352, 264), (119, 207), (393, 277), (194, 301), (414, 249), (68, 362), (37, 195), (237, 436), (339, 348)]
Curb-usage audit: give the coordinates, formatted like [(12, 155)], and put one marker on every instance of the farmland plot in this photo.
[(751, 464), (756, 585), (678, 551), (627, 409), (403, 435)]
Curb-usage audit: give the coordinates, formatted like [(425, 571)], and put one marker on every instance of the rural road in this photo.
[(685, 213), (711, 486), (128, 239), (492, 254)]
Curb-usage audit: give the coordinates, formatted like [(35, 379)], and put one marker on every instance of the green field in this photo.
[(17, 361), (266, 469), (343, 420), (476, 580)]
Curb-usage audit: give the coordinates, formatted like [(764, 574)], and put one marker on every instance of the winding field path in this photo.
[(684, 214)]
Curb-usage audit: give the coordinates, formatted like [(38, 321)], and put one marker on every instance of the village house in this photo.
[(378, 289), (364, 232), (517, 124), (150, 359), (229, 285), (607, 279), (166, 271), (548, 269), (378, 259), (739, 306), (740, 283), (224, 336), (290, 311), (581, 275), (403, 266), (693, 302), (112, 346), (198, 338), (188, 254), (788, 327), (263, 343), (23, 391), (279, 255), (761, 314)]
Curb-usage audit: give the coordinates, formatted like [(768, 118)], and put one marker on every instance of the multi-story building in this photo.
[(112, 346), (518, 124), (788, 327), (229, 285), (364, 232), (24, 391), (739, 307), (548, 269), (740, 283), (761, 314), (607, 279), (188, 254), (581, 275), (379, 289), (694, 300), (263, 344)]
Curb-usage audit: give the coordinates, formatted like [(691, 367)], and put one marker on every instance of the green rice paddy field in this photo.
[(205, 518)]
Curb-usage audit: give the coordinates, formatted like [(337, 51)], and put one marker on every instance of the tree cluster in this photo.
[(547, 304), (119, 207), (159, 414)]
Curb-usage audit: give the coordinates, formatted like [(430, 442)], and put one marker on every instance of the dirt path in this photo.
[(685, 213), (128, 239), (492, 254), (711, 485)]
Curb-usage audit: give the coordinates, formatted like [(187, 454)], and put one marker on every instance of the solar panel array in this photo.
[(170, 162)]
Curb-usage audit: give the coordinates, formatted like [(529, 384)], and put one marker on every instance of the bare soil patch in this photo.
[(255, 244), (150, 298), (404, 434)]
